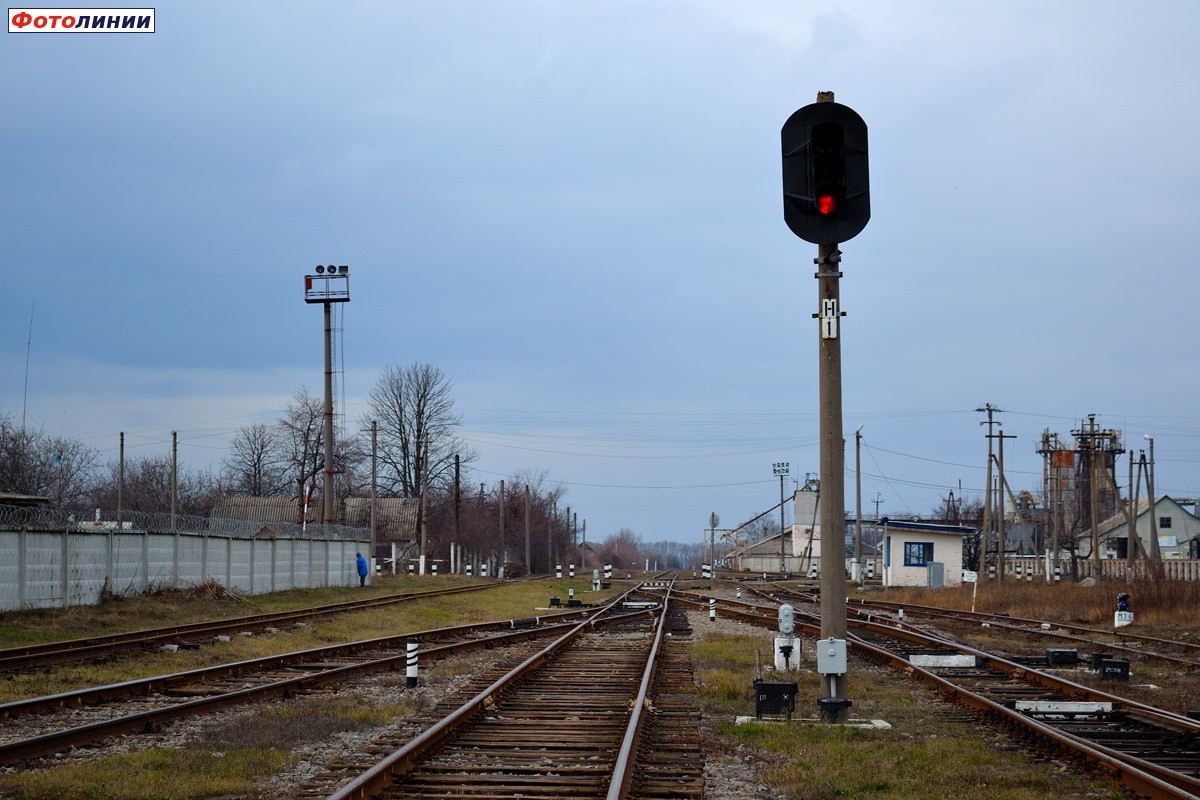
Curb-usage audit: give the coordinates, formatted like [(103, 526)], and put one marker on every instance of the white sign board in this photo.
[(969, 576)]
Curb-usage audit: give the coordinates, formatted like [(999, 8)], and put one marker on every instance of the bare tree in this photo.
[(257, 464), (417, 423), (48, 466), (479, 522), (147, 487), (303, 438), (622, 549), (281, 459)]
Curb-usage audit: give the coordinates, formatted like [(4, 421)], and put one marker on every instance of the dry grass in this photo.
[(167, 774), (502, 602), (932, 751), (1167, 606), (230, 760)]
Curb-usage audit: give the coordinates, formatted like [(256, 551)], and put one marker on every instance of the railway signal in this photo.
[(1123, 616), (826, 186), (827, 201)]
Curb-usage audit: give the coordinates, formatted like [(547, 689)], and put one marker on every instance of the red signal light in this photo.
[(826, 204)]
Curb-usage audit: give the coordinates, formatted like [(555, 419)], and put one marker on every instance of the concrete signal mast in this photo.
[(330, 284)]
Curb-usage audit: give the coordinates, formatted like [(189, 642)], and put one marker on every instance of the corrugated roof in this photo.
[(262, 509), (395, 517)]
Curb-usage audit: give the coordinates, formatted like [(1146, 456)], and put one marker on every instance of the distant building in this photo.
[(25, 500), (764, 555), (923, 554), (1178, 530)]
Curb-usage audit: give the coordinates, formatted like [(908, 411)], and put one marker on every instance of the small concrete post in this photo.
[(413, 647)]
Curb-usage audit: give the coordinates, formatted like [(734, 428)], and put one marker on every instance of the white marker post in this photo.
[(972, 577), (413, 647)]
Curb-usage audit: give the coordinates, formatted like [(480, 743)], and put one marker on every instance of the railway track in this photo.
[(601, 712), (1153, 752), (45, 725), (192, 634), (1186, 655), (1135, 645)]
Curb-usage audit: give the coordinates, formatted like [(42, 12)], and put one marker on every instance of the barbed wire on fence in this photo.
[(101, 521)]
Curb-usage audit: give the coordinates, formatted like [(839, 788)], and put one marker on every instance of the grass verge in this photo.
[(933, 750)]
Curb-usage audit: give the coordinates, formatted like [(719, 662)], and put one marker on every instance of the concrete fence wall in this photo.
[(1173, 569), (44, 569)]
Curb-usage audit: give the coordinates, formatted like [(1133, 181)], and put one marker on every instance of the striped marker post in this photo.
[(413, 647)]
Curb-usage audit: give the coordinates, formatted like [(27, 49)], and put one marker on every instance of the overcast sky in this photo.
[(574, 210)]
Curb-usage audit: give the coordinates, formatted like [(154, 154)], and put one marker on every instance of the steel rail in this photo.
[(1007, 621), (22, 657), (1160, 716), (1134, 773), (155, 718), (159, 683), (1138, 774), (384, 773), (623, 769)]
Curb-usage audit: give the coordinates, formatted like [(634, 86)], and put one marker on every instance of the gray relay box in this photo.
[(831, 656)]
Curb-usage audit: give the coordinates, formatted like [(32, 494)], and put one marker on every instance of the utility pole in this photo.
[(458, 504), (1093, 495), (550, 537), (1001, 535), (858, 498), (424, 461), (782, 469), (174, 475), (374, 481), (878, 499), (121, 481), (503, 552), (1155, 552), (1131, 536), (990, 410), (528, 558), (713, 522)]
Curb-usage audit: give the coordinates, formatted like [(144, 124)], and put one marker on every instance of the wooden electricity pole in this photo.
[(990, 410)]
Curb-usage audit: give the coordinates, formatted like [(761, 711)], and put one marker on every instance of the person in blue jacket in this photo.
[(362, 569)]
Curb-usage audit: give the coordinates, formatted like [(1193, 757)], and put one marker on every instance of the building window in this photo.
[(918, 554), (1164, 522)]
